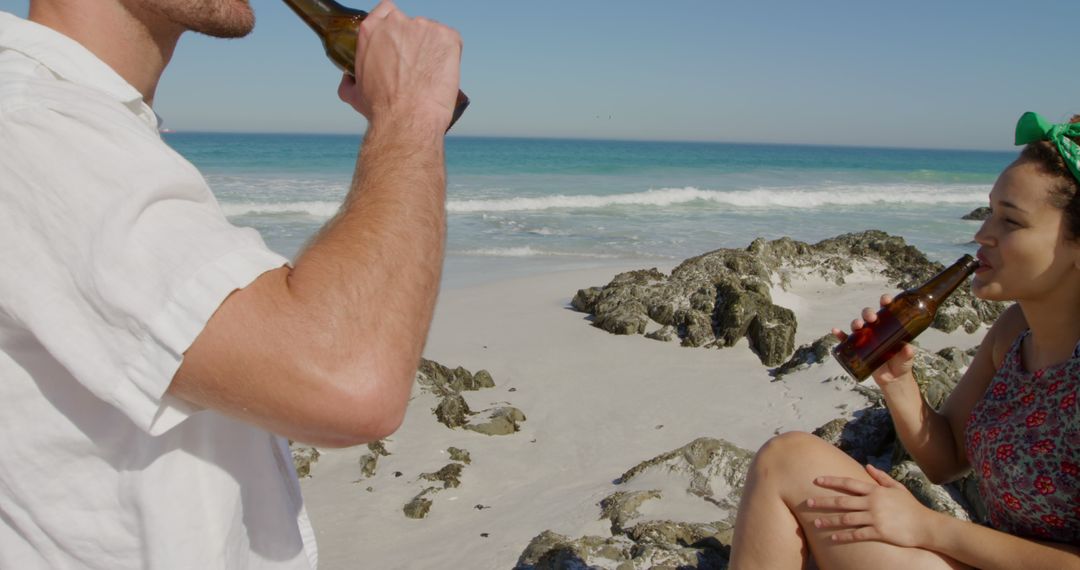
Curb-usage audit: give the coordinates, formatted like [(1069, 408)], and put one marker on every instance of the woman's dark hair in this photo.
[(1065, 194)]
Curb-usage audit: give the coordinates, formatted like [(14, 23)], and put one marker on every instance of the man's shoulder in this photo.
[(26, 86)]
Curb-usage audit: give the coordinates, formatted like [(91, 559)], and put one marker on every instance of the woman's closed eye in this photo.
[(1010, 221)]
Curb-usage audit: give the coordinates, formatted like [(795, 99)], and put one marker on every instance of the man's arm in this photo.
[(326, 352)]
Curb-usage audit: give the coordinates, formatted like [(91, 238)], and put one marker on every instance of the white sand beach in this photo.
[(596, 405)]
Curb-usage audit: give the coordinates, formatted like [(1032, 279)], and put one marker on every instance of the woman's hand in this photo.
[(896, 368), (884, 511)]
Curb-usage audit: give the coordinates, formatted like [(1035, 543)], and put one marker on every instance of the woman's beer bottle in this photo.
[(337, 26), (908, 315)]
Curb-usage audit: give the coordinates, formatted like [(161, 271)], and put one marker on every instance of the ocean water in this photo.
[(522, 202)]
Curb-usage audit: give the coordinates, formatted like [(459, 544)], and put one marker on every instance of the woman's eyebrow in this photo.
[(1007, 204)]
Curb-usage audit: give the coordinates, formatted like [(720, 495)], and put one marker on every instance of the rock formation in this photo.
[(721, 297)]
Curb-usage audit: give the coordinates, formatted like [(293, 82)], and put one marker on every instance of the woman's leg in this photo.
[(775, 529)]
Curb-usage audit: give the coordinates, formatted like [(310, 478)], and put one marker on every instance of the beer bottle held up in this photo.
[(338, 26), (908, 315)]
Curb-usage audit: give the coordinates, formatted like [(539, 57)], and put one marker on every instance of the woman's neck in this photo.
[(1055, 328)]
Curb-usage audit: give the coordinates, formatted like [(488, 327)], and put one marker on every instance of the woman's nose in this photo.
[(983, 235)]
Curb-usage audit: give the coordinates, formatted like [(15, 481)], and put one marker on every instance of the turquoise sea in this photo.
[(528, 202)]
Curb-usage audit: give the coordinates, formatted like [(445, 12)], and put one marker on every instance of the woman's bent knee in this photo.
[(792, 447)]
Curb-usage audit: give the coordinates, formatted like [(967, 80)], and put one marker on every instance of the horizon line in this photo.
[(603, 139)]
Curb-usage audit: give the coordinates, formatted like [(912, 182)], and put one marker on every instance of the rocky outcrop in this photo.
[(806, 356), (304, 456), (370, 461), (454, 412), (713, 469), (868, 434), (460, 455), (978, 214), (503, 420), (420, 505), (721, 297), (449, 476), (708, 471), (443, 381), (656, 546)]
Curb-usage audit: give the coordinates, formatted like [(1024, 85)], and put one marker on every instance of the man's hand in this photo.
[(407, 70)]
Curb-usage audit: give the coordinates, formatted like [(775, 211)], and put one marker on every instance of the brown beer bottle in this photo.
[(337, 26), (908, 315)]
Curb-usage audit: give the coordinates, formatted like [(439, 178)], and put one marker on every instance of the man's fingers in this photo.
[(382, 10)]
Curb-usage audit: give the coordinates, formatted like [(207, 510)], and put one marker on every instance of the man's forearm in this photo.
[(325, 351), (372, 274)]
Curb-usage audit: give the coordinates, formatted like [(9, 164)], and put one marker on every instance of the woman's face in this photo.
[(1025, 253)]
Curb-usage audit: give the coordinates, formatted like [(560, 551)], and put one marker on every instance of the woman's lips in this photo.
[(983, 264)]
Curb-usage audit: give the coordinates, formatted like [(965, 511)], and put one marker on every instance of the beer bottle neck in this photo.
[(318, 13), (944, 283)]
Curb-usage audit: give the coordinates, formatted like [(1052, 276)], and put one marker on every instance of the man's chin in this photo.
[(235, 19)]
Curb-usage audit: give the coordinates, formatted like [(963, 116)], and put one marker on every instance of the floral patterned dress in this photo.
[(1023, 440)]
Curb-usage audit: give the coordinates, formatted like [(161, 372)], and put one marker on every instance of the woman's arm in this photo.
[(935, 439), (991, 549), (885, 511)]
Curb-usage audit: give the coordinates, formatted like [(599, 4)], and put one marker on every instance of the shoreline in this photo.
[(463, 270), (596, 404)]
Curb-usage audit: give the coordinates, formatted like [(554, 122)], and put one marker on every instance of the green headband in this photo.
[(1032, 127)]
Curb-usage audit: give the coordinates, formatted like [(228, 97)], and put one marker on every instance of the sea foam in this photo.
[(756, 198)]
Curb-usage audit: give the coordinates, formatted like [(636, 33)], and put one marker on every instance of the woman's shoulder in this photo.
[(1004, 332)]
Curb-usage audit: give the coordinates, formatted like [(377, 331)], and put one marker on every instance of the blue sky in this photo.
[(941, 74)]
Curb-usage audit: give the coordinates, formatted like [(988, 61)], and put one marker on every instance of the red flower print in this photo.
[(999, 389), (1054, 521), (1054, 387), (993, 433), (1068, 401), (1004, 415), (1070, 468), (1042, 447), (1045, 485), (1005, 452), (976, 439), (986, 469), (1038, 374), (1027, 400), (1011, 501), (1036, 418)]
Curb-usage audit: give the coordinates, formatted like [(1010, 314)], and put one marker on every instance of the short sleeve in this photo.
[(116, 253)]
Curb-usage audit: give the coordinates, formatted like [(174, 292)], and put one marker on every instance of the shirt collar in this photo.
[(70, 61)]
